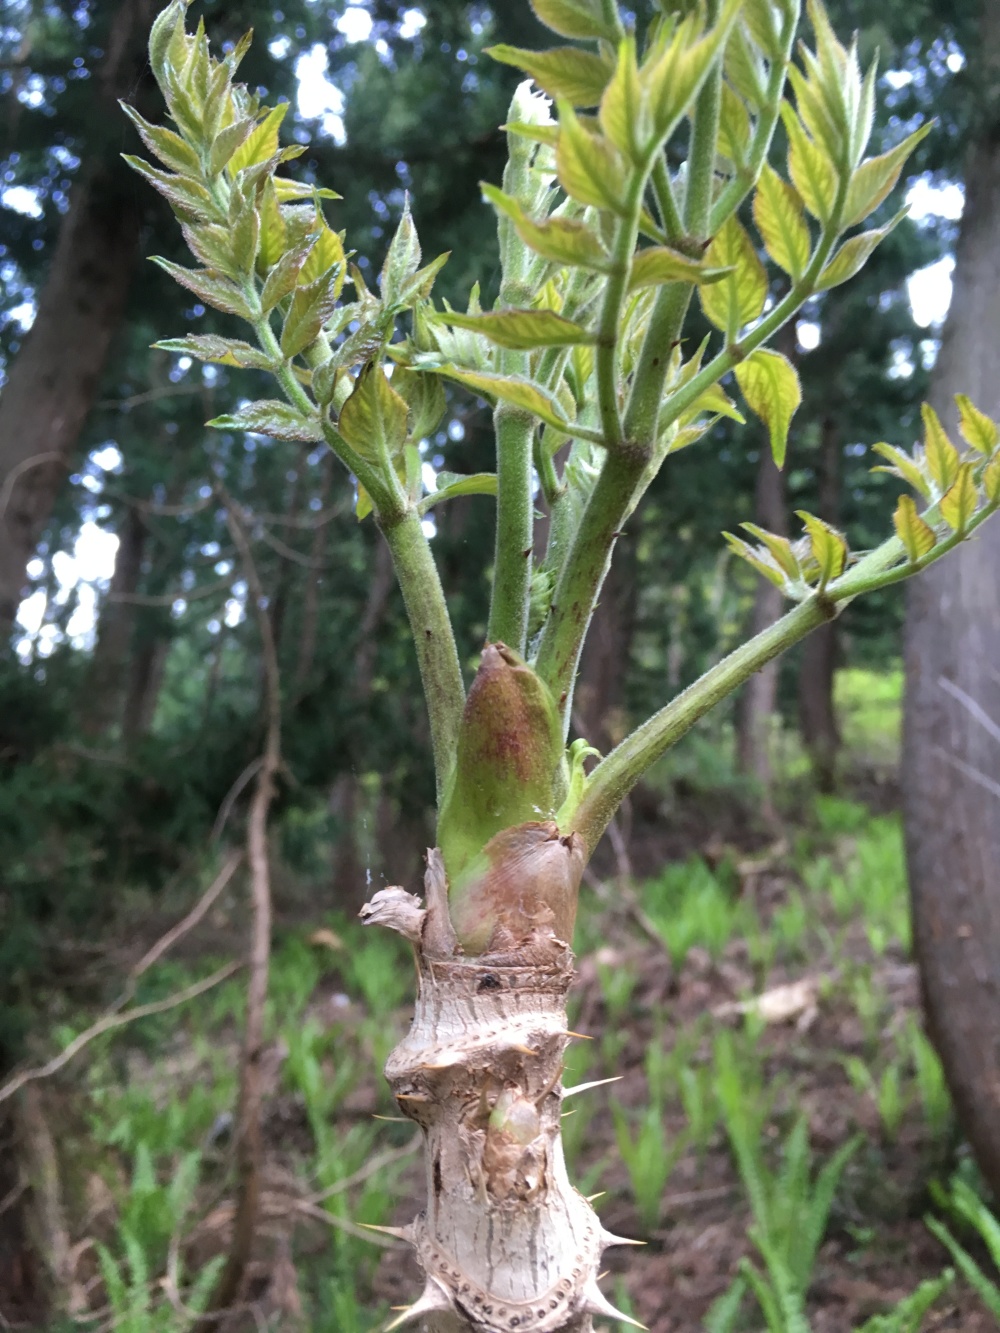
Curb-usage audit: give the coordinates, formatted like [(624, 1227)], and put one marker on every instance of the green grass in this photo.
[(693, 906), (868, 705), (697, 1095)]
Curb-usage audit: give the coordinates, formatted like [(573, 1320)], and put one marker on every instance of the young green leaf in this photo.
[(779, 547), (209, 287), (939, 452), (223, 351), (226, 143), (977, 428), (480, 483), (567, 72), (590, 168), (913, 532), (902, 466), (283, 277), (574, 18), (425, 400), (959, 502), (273, 241), (624, 112), (658, 263), (672, 75), (991, 480), (563, 240), (402, 259), (511, 389), (734, 127), (770, 384), (714, 400), (760, 560), (745, 69), (170, 148), (189, 199), (739, 297), (875, 179), (289, 190), (326, 252), (810, 167), (819, 118), (373, 420), (312, 305), (829, 548), (268, 416), (855, 253), (777, 212), (762, 22), (520, 330), (261, 145)]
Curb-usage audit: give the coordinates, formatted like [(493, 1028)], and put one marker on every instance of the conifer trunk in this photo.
[(951, 730)]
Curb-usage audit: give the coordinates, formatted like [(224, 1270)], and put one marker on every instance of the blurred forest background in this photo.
[(765, 852)]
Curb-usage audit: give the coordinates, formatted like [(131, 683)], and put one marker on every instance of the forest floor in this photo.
[(748, 982)]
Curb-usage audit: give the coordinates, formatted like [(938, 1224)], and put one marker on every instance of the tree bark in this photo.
[(54, 379), (951, 731), (600, 690), (755, 706), (817, 715), (148, 663)]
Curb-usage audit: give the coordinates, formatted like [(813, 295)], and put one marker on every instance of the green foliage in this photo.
[(908, 1315), (969, 1210), (868, 884), (649, 1156), (790, 1207), (693, 906)]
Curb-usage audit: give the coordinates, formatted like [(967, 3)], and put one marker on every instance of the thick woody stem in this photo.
[(506, 1243)]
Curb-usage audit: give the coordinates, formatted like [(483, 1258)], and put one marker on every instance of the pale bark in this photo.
[(101, 704), (54, 378), (506, 1243), (951, 742)]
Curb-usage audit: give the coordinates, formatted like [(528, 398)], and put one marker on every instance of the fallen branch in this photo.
[(189, 922), (369, 1169)]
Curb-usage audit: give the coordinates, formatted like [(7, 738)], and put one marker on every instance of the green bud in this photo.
[(509, 748)]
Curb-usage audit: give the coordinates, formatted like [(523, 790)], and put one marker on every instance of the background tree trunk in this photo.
[(756, 703), (54, 380), (817, 716), (599, 699), (951, 735)]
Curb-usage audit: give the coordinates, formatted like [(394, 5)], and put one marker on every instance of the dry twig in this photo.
[(109, 1022), (248, 1142)]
